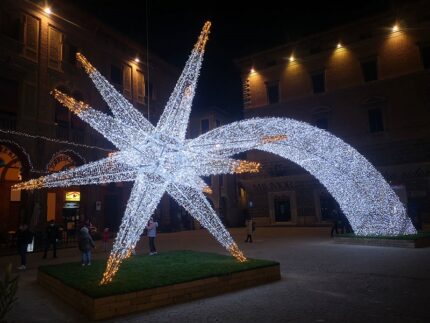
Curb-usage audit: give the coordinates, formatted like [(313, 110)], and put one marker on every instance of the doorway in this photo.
[(282, 209)]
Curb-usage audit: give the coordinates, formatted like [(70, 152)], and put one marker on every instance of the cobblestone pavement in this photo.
[(321, 282)]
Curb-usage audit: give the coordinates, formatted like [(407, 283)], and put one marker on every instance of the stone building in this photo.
[(38, 136), (368, 83)]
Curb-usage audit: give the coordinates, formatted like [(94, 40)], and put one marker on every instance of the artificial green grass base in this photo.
[(144, 272)]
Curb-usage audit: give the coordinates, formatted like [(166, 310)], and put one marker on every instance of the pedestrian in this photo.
[(250, 228), (52, 235), (152, 233), (336, 219), (105, 238), (23, 238), (85, 245)]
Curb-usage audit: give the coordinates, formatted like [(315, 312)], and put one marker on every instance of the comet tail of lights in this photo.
[(159, 159)]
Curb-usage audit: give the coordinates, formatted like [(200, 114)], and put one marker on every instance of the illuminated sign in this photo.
[(73, 196)]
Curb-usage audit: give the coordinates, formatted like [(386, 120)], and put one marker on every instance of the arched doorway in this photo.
[(63, 205), (14, 167)]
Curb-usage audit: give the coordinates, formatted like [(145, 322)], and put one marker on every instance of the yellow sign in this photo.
[(73, 196)]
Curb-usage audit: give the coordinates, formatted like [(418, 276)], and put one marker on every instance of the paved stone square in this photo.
[(321, 282)]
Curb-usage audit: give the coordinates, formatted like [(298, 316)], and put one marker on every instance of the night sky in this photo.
[(238, 28)]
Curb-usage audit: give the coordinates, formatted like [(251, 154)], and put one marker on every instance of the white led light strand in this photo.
[(63, 142), (368, 202), (159, 159)]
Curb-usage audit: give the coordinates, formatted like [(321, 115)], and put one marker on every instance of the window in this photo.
[(126, 75), (55, 53), (10, 25), (10, 95), (71, 54), (221, 180), (62, 117), (116, 74), (140, 84), (31, 37), (217, 123), (55, 48), (370, 70), (272, 92), (318, 82), (204, 126), (321, 122), (327, 205), (149, 90), (425, 56), (29, 99), (376, 123)]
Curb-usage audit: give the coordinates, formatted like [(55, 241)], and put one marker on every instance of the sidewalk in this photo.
[(321, 282)]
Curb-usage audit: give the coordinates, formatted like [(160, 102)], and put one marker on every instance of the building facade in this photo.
[(367, 83), (38, 136), (223, 196)]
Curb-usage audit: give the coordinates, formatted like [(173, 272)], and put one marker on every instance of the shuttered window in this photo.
[(126, 78), (31, 37), (140, 88), (55, 48)]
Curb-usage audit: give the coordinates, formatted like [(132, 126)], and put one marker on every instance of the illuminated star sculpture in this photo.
[(160, 159)]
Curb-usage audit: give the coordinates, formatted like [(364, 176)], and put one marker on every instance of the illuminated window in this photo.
[(140, 87), (55, 48), (370, 70), (126, 76), (31, 37), (318, 82), (272, 90)]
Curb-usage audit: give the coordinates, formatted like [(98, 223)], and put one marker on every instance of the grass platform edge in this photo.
[(148, 299)]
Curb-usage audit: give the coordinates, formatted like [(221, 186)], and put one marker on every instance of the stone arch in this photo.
[(64, 159), (366, 199), (18, 155)]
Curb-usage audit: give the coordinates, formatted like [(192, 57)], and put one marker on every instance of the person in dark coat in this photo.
[(335, 217), (52, 235), (85, 245), (23, 238)]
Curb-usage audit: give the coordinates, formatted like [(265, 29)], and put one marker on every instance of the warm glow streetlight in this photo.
[(252, 70), (395, 28), (47, 10), (339, 45), (292, 58), (137, 60)]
